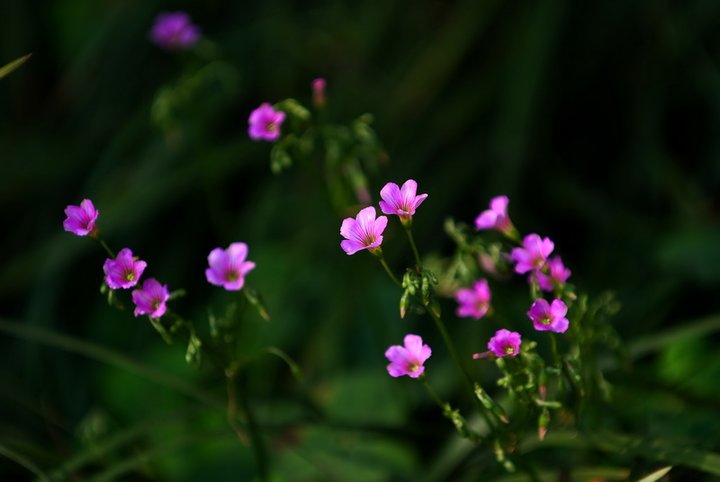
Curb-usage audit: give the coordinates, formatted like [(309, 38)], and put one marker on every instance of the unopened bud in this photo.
[(318, 91)]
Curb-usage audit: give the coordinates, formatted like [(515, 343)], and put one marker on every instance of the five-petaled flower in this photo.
[(533, 254), (474, 302), (151, 299), (505, 343), (174, 31), (557, 274), (402, 201), (124, 271), (81, 219), (228, 267), (265, 123), (549, 316), (496, 217), (408, 359), (362, 232)]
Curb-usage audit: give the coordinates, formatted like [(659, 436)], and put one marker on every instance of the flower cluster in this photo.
[(227, 268), (365, 231)]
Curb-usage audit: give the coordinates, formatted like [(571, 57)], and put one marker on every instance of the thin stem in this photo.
[(432, 392), (553, 344), (106, 247), (408, 230), (261, 460), (232, 407), (387, 270), (456, 358)]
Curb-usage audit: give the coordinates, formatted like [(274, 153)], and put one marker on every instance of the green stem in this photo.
[(456, 358), (235, 399), (387, 270), (408, 230), (553, 344), (106, 247), (432, 392)]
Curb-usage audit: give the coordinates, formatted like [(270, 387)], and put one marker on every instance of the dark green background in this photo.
[(599, 119)]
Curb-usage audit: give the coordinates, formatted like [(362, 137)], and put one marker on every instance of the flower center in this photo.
[(156, 304), (545, 320), (271, 126), (129, 275), (232, 276), (413, 367), (509, 350)]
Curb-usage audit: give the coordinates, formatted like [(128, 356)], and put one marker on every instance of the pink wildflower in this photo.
[(474, 302), (174, 31), (505, 343), (557, 274), (401, 200), (228, 267), (151, 299), (124, 271), (496, 217), (318, 92), (533, 254), (408, 360), (81, 219), (549, 317), (363, 232), (265, 123)]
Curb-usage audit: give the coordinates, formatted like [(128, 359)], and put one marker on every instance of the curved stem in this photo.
[(390, 273), (106, 247)]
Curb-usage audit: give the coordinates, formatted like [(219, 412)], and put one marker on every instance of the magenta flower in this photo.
[(124, 271), (496, 217), (408, 360), (474, 302), (265, 123), (174, 31), (557, 274), (549, 317), (228, 266), (363, 232), (533, 254), (401, 200), (505, 343), (81, 219), (151, 299)]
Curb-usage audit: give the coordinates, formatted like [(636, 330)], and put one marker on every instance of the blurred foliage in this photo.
[(598, 119)]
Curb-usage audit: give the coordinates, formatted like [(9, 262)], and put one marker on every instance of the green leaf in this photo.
[(15, 64)]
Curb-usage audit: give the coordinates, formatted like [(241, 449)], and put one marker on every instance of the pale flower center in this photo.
[(129, 275), (271, 126), (413, 367), (509, 350), (545, 320)]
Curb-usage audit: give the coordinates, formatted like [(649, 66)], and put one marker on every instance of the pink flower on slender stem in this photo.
[(228, 266), (533, 254), (124, 271), (549, 317), (474, 302), (408, 360), (265, 123), (505, 343), (496, 217), (402, 201), (174, 31), (363, 232), (318, 92), (151, 299), (81, 219), (557, 274)]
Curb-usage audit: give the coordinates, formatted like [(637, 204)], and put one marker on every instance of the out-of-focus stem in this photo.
[(106, 247), (239, 400)]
